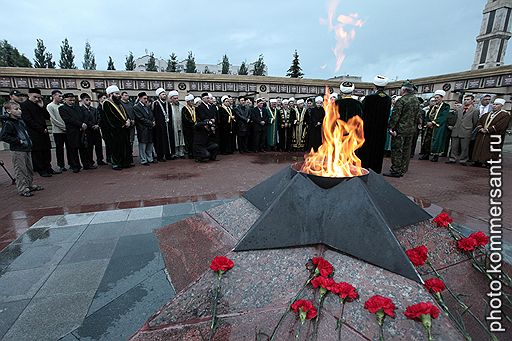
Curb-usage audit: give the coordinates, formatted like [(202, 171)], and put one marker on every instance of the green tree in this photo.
[(43, 59), (10, 56), (259, 67), (89, 59), (243, 69), (110, 65), (130, 62), (191, 63), (151, 64), (295, 71), (225, 65), (67, 58), (172, 63)]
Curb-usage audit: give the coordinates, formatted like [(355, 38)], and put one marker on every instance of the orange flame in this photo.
[(336, 156), (343, 37)]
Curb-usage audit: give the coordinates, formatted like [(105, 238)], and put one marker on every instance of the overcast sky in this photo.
[(399, 38)]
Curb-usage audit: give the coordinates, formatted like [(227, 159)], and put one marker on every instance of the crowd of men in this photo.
[(203, 127)]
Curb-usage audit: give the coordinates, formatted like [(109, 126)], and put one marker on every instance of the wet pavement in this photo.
[(88, 276)]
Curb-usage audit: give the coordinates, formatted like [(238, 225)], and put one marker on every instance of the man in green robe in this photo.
[(438, 125), (275, 112)]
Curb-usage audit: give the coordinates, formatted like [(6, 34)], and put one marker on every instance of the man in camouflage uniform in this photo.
[(402, 127)]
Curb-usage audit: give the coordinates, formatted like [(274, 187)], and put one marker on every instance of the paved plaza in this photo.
[(91, 256)]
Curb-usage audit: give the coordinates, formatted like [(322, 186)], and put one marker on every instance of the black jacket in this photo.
[(35, 118), (73, 116), (14, 132), (144, 123), (243, 117)]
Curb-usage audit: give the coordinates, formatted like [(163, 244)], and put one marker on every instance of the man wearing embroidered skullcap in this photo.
[(348, 107), (179, 140), (188, 119), (492, 126), (118, 128), (163, 134), (435, 129), (376, 110), (402, 127)]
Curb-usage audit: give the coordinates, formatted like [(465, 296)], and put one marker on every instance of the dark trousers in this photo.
[(188, 134), (95, 144), (61, 140), (257, 139), (41, 160), (263, 138), (243, 138), (426, 142), (73, 158)]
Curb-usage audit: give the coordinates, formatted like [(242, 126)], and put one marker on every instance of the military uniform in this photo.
[(403, 121)]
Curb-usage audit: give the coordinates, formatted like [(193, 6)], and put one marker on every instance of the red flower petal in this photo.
[(434, 285), (418, 255), (467, 244), (377, 303), (414, 312), (323, 266), (480, 238), (442, 220), (304, 306), (221, 263)]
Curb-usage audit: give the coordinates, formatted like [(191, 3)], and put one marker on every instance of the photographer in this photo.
[(204, 131)]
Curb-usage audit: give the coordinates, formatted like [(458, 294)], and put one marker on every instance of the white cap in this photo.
[(159, 91), (273, 100), (223, 98), (210, 95), (380, 80), (285, 101), (347, 87), (291, 99), (197, 100), (334, 95), (111, 89), (440, 92), (319, 99), (300, 101), (189, 97), (499, 101), (173, 93)]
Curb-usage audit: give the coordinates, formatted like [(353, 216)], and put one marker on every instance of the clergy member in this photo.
[(177, 125), (188, 119), (163, 131)]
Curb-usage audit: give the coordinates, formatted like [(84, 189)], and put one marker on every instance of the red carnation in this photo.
[(378, 304), (418, 255), (434, 285), (480, 238), (415, 311), (443, 220), (221, 264), (305, 309), (467, 244), (323, 267), (345, 291), (324, 283)]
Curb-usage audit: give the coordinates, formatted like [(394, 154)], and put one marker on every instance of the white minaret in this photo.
[(494, 34)]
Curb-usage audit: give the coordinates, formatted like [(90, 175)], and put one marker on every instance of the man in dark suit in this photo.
[(76, 126), (93, 135), (144, 122), (243, 119), (258, 119), (204, 131), (34, 114)]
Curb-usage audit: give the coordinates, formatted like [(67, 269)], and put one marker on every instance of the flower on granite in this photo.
[(423, 312), (418, 255), (443, 220), (435, 285), (467, 244), (480, 238), (380, 306), (221, 264), (324, 283), (323, 267), (345, 291), (305, 309)]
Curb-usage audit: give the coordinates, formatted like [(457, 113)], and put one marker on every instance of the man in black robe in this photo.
[(188, 119), (118, 129), (76, 125), (128, 107), (34, 114), (163, 131), (348, 107), (227, 127), (376, 110), (205, 147), (258, 125), (243, 119), (314, 125)]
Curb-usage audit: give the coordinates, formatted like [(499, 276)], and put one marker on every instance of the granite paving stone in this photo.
[(11, 253), (124, 273), (90, 250), (236, 217), (188, 246), (110, 216), (74, 278), (178, 209), (32, 234), (47, 221), (59, 235), (201, 206), (22, 284), (149, 225), (40, 256), (75, 219), (103, 231), (50, 317), (121, 318), (145, 213), (136, 244), (9, 312)]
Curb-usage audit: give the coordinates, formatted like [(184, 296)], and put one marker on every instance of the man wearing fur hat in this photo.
[(348, 107), (494, 123), (177, 125), (227, 123), (163, 131), (188, 119), (435, 129), (376, 109), (118, 128)]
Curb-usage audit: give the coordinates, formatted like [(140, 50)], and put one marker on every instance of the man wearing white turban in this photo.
[(163, 132), (178, 145), (188, 119)]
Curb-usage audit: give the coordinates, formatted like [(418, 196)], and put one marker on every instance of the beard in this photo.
[(116, 99)]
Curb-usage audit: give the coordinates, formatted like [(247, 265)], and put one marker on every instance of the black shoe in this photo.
[(161, 160), (63, 169), (101, 163), (117, 168), (423, 157), (45, 175), (392, 175), (155, 161), (435, 158), (52, 171), (449, 161), (76, 170), (145, 164)]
